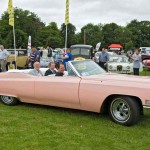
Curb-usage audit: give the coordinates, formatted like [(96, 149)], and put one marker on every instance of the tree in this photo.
[(129, 46), (93, 34), (141, 32), (25, 21), (70, 33), (53, 26), (54, 42), (46, 35), (21, 39), (123, 36), (109, 33)]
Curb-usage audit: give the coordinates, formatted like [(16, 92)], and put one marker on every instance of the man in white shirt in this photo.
[(136, 64), (3, 58), (36, 71)]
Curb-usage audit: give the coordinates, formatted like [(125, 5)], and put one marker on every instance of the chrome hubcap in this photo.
[(120, 110), (7, 99)]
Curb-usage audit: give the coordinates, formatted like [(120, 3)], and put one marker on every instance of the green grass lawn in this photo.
[(145, 72), (34, 127)]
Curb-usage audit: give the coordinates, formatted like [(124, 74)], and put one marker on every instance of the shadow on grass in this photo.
[(92, 115), (144, 119), (55, 109)]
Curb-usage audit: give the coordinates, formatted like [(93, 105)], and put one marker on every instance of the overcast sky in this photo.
[(85, 11)]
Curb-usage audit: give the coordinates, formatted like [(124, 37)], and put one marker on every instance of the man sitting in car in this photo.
[(51, 69), (36, 71), (60, 69)]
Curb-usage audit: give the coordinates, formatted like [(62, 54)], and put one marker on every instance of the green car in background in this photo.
[(81, 51)]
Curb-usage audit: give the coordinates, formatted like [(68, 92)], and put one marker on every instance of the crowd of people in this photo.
[(55, 68), (36, 54)]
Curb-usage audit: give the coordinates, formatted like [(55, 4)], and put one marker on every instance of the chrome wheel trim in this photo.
[(7, 99), (120, 110)]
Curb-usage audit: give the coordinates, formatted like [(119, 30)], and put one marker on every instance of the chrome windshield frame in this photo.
[(73, 68)]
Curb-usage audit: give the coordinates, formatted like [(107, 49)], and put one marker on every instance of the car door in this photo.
[(55, 90)]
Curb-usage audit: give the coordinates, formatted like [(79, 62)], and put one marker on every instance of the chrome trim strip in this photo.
[(76, 72), (146, 106)]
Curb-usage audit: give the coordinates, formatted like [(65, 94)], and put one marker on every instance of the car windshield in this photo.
[(75, 51), (85, 51), (87, 68), (118, 59)]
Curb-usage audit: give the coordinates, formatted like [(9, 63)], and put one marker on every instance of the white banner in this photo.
[(29, 45), (98, 46)]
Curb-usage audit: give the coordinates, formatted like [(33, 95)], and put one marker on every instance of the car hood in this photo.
[(118, 77)]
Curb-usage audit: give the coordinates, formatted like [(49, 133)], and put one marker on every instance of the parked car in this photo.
[(146, 63), (21, 60), (121, 64), (145, 56), (81, 52), (145, 53), (87, 87)]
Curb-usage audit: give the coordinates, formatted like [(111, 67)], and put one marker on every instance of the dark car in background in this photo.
[(81, 51)]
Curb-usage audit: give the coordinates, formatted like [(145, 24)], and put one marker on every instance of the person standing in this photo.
[(103, 58), (49, 54), (38, 54), (67, 57), (136, 62), (3, 58), (33, 56)]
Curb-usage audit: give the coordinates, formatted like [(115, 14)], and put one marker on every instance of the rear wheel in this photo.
[(124, 110), (9, 100)]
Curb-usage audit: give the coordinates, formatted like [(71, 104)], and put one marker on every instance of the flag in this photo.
[(67, 13), (29, 42), (11, 13), (29, 45), (98, 46)]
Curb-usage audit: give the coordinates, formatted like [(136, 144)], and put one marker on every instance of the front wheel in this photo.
[(124, 110), (9, 100)]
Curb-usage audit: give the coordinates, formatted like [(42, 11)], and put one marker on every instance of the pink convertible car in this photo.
[(86, 87)]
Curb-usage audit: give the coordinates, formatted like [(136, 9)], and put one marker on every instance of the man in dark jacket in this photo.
[(51, 69), (60, 69), (49, 54)]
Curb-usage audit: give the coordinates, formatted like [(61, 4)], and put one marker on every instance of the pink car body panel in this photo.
[(85, 93), (99, 87)]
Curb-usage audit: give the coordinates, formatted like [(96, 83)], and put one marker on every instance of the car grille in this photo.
[(119, 68)]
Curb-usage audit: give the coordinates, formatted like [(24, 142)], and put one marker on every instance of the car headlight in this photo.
[(110, 67), (128, 67)]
